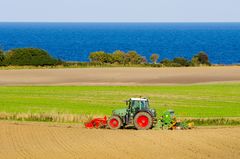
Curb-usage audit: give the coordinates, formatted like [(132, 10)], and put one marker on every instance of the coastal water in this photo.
[(74, 41)]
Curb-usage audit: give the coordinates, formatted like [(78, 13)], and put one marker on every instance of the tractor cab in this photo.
[(137, 104)]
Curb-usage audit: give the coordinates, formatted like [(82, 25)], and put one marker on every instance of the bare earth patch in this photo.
[(120, 76), (44, 140)]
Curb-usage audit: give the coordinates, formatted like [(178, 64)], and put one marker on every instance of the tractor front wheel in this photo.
[(143, 121), (114, 122)]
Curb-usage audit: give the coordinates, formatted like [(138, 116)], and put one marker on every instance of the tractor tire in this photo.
[(114, 122), (143, 121)]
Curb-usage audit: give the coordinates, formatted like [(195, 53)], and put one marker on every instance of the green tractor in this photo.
[(137, 114)]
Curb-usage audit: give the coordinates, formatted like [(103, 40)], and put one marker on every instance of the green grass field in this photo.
[(212, 100)]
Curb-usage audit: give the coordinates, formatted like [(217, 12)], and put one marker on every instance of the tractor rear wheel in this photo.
[(143, 121), (114, 122)]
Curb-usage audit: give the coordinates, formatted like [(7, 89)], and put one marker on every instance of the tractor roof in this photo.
[(141, 99)]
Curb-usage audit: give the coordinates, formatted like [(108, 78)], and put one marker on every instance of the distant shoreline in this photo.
[(123, 22)]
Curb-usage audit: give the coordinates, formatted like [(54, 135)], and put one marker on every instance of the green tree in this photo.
[(132, 57), (118, 57), (144, 60), (98, 57), (154, 58), (109, 58), (200, 59), (2, 57), (195, 61), (101, 57), (29, 56)]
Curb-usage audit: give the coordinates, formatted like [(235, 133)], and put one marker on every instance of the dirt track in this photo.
[(120, 76), (41, 140)]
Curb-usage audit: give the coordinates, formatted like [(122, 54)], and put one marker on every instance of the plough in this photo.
[(97, 123)]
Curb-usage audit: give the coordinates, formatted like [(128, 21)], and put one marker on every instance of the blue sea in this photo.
[(74, 41)]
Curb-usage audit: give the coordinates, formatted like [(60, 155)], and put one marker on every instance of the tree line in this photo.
[(39, 57), (133, 58)]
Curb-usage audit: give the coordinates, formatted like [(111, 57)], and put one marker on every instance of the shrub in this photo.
[(166, 62), (118, 56), (2, 57), (180, 61), (100, 57), (155, 65), (176, 62), (29, 56)]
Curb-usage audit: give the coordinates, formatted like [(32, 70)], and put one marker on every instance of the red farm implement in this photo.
[(97, 123)]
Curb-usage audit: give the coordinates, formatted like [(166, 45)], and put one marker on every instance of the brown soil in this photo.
[(44, 140), (120, 76)]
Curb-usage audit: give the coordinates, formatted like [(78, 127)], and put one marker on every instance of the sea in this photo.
[(74, 41)]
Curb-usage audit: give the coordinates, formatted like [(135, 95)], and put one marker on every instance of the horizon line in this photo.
[(119, 22)]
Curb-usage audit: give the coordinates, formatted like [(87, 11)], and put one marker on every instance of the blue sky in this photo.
[(120, 10)]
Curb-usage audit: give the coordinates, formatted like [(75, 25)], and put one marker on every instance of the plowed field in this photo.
[(45, 140), (120, 76)]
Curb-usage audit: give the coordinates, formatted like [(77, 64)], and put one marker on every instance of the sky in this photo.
[(120, 10)]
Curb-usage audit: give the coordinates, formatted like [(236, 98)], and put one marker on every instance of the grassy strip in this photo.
[(200, 101), (74, 118), (77, 65), (89, 65), (46, 117), (214, 121)]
